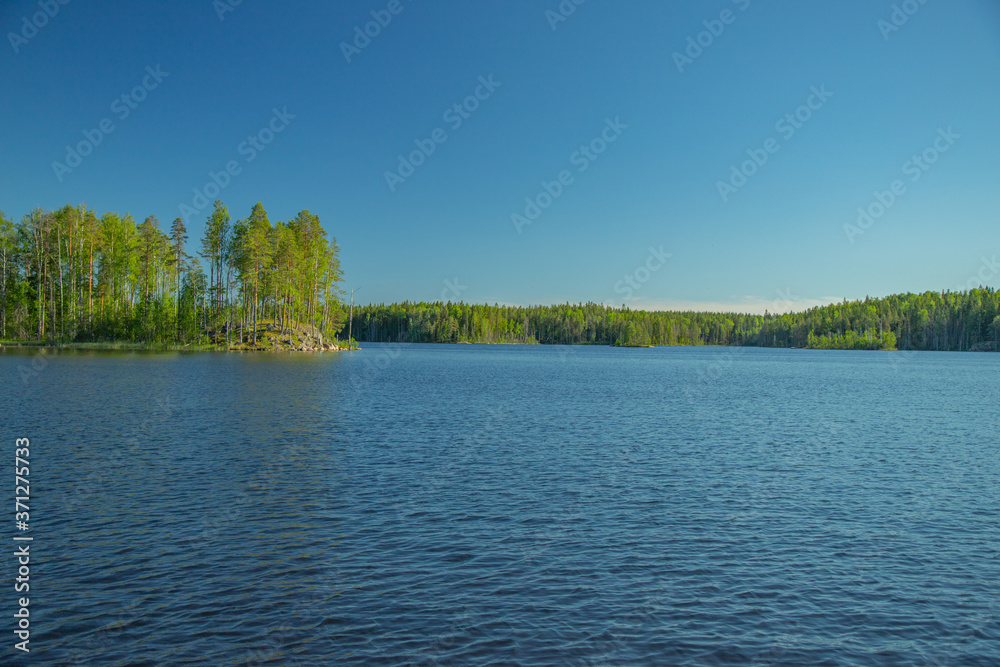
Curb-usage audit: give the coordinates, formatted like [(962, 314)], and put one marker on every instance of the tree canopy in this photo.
[(71, 275), (928, 321)]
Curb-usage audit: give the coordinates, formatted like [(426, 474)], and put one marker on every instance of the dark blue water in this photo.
[(510, 505)]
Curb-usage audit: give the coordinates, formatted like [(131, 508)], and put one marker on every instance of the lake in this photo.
[(418, 504)]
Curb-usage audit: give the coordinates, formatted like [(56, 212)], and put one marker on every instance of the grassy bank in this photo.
[(108, 345)]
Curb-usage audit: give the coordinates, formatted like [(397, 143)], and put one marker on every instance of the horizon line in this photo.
[(696, 307)]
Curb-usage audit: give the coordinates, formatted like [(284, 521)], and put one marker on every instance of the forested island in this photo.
[(72, 277)]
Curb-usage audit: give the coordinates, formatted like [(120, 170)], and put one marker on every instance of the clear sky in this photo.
[(661, 132)]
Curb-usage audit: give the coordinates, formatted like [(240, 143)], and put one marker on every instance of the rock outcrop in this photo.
[(273, 337)]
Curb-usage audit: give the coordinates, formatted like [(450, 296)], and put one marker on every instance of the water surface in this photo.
[(413, 504)]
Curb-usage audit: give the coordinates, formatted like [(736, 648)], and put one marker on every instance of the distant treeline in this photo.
[(72, 275), (929, 321)]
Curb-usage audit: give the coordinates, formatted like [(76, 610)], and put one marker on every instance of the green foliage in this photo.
[(929, 321), (69, 276)]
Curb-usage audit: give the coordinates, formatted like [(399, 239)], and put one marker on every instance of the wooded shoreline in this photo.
[(108, 346), (72, 277), (940, 321)]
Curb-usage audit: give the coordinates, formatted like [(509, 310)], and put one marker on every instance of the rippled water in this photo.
[(511, 505)]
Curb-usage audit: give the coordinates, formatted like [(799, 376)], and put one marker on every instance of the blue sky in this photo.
[(777, 241)]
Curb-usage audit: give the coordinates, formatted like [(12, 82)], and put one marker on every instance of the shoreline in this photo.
[(109, 346), (150, 347)]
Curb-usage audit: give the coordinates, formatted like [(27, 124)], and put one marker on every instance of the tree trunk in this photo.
[(90, 287), (62, 314), (256, 279), (3, 291)]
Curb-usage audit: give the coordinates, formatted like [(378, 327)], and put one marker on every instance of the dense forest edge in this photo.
[(71, 277), (931, 321)]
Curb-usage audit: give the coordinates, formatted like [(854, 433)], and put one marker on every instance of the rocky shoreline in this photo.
[(271, 337), (274, 338)]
